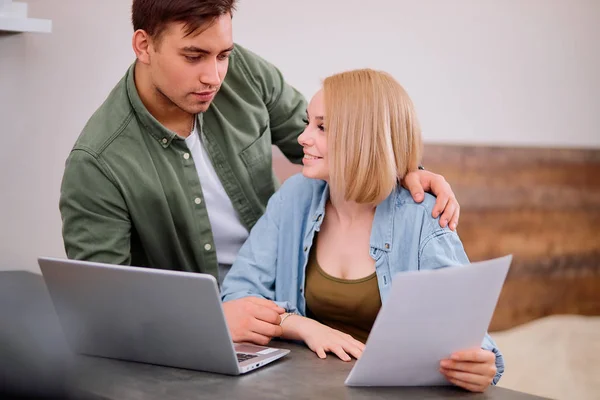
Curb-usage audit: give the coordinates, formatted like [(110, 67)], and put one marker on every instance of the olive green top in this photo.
[(348, 305)]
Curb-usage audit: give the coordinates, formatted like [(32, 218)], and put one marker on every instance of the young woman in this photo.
[(333, 238)]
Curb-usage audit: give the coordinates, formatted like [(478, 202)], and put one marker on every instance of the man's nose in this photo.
[(210, 74)]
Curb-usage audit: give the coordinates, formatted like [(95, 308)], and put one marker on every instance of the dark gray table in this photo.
[(50, 367), (299, 375)]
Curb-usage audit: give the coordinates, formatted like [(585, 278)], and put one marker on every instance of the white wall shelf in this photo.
[(13, 18)]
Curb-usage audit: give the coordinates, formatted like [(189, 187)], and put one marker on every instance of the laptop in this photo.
[(429, 315), (153, 316)]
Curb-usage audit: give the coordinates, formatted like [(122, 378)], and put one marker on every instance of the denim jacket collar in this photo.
[(383, 224)]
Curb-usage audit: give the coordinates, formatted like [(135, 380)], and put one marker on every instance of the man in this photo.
[(174, 168)]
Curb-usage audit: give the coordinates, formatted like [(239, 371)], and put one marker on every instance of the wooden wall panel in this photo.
[(542, 205)]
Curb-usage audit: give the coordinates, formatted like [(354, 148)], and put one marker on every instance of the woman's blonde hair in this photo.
[(374, 136)]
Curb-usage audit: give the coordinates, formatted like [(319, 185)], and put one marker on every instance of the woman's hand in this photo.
[(472, 369), (321, 338)]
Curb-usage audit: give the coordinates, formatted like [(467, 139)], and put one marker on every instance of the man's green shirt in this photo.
[(129, 196)]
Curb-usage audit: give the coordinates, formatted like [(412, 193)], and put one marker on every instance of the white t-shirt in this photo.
[(228, 232)]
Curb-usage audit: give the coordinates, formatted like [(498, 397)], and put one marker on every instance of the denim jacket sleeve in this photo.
[(255, 268), (443, 248)]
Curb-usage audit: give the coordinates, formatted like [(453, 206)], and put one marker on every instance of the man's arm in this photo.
[(96, 224), (287, 112), (286, 106)]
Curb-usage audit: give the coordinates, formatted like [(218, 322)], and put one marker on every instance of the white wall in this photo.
[(50, 84), (510, 72), (516, 72)]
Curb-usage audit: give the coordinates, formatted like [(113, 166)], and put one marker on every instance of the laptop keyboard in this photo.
[(244, 357)]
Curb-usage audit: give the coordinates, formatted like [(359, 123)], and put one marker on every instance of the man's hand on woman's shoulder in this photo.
[(446, 205)]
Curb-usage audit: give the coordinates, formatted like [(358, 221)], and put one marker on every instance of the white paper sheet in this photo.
[(428, 316)]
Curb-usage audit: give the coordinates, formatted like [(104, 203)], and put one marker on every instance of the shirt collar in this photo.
[(163, 135)]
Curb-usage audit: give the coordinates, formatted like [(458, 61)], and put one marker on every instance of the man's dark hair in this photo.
[(153, 16)]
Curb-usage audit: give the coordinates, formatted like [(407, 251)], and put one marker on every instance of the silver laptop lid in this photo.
[(154, 316)]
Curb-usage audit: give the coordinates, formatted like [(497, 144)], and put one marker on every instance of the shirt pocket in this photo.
[(257, 157)]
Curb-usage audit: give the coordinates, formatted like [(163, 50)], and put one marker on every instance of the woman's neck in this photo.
[(349, 212)]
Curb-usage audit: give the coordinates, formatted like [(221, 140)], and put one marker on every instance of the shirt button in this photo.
[(197, 200), (207, 247), (186, 155), (305, 248), (164, 140)]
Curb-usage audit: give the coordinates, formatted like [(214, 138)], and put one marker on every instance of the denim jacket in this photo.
[(404, 237)]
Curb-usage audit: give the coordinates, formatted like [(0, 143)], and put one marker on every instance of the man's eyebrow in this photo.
[(230, 48), (194, 49)]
